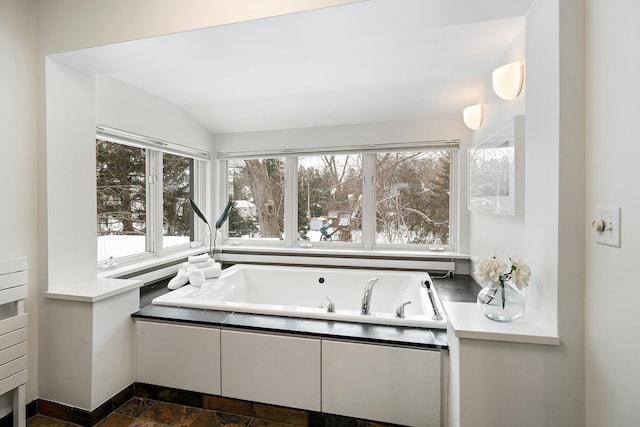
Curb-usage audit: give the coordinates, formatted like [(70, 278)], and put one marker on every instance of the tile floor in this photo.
[(139, 412)]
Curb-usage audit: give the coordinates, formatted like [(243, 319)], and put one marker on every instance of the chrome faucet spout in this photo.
[(366, 295)]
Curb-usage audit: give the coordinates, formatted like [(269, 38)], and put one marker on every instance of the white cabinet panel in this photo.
[(395, 385), (271, 369), (178, 356)]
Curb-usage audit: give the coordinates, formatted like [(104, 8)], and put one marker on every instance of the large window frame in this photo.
[(368, 153), (155, 149)]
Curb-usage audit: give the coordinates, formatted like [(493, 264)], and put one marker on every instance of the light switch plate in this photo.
[(611, 234)]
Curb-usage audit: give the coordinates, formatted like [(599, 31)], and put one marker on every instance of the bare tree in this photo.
[(264, 199)]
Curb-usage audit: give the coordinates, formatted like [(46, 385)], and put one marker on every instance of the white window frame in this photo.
[(154, 149), (368, 153)]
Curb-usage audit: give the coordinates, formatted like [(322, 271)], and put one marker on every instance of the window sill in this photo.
[(334, 251), (151, 269), (93, 291)]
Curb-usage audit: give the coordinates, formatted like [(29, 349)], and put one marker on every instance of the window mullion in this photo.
[(291, 201), (368, 200), (154, 213), (223, 178), (454, 202), (201, 199)]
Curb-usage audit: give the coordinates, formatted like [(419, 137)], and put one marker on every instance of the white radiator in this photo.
[(13, 334)]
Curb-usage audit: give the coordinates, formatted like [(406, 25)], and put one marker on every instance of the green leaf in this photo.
[(197, 211), (225, 214)]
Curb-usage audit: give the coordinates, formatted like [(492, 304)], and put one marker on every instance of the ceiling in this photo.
[(370, 61)]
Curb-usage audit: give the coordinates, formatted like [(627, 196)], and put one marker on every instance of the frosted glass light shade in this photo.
[(507, 80), (473, 116)]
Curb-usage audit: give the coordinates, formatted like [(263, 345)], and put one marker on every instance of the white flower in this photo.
[(520, 272), (490, 269), (493, 269)]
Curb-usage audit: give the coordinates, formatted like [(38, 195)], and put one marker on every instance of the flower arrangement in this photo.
[(494, 270)]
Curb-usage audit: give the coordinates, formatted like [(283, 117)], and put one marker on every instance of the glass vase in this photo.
[(501, 302)]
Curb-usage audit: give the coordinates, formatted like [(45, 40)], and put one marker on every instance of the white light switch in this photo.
[(606, 226)]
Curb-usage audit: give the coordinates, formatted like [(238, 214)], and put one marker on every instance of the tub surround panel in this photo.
[(391, 384), (272, 369), (160, 346)]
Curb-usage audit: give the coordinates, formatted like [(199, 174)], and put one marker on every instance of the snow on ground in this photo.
[(120, 246)]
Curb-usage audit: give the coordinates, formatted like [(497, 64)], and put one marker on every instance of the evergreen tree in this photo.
[(178, 184), (121, 189)]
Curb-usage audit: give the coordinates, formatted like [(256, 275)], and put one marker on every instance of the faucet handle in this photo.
[(331, 307), (400, 309)]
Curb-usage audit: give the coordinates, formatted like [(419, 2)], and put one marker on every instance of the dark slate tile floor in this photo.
[(140, 412), (143, 412)]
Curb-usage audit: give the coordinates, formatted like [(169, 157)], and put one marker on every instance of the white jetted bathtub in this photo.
[(305, 292)]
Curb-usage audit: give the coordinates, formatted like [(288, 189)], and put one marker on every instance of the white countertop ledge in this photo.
[(93, 290), (468, 322)]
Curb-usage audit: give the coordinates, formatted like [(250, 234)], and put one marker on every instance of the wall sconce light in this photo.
[(507, 80), (473, 116)]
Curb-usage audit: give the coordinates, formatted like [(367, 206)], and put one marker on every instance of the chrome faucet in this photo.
[(400, 309), (366, 295)]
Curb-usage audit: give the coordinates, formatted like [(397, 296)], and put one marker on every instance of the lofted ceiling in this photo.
[(370, 61)]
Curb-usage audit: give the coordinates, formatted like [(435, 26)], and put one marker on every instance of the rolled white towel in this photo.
[(203, 264), (212, 271), (196, 276), (195, 259), (180, 280)]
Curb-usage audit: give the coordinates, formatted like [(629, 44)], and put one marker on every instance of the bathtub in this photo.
[(303, 291)]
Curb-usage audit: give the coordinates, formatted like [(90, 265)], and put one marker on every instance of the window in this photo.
[(330, 198), (121, 200), (258, 187), (388, 196), (412, 197), (177, 218), (143, 194)]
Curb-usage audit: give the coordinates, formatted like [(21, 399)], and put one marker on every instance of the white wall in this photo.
[(538, 385), (612, 337), (122, 106), (18, 166), (491, 234), (71, 183)]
